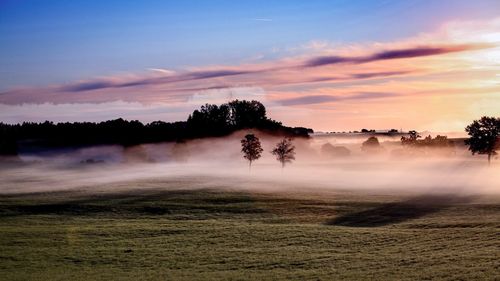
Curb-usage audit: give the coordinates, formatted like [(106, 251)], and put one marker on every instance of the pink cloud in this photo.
[(384, 83)]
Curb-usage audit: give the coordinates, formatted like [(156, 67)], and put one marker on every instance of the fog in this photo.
[(218, 163)]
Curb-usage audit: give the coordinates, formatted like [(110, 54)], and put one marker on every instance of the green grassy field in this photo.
[(170, 233)]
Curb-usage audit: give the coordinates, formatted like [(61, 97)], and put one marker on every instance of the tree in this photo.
[(284, 151), (208, 121), (438, 141), (247, 114), (411, 139), (484, 136), (251, 148), (334, 151), (371, 145)]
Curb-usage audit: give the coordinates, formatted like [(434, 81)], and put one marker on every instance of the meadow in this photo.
[(250, 140), (192, 228)]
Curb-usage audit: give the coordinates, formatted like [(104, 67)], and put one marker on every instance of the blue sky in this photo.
[(45, 42)]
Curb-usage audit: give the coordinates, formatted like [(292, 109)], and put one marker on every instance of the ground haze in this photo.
[(194, 211)]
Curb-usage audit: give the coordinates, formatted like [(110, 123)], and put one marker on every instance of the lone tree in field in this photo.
[(484, 136), (251, 148), (284, 151)]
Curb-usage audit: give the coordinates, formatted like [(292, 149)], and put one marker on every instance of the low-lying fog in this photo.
[(332, 162)]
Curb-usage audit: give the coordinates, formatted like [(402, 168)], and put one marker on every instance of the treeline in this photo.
[(413, 140), (209, 121)]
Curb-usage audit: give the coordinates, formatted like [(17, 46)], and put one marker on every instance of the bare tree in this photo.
[(484, 136), (251, 148), (284, 151)]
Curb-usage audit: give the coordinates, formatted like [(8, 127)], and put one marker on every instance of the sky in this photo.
[(327, 65)]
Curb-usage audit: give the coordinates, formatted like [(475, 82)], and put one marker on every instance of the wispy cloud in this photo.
[(316, 99), (390, 83), (413, 52), (284, 72), (188, 76), (262, 19), (162, 71)]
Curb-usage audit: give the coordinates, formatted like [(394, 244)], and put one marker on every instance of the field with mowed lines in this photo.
[(159, 229)]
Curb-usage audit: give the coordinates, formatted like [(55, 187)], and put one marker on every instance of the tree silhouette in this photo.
[(251, 148), (484, 136), (438, 141), (371, 145), (209, 121), (328, 149), (284, 151), (411, 139)]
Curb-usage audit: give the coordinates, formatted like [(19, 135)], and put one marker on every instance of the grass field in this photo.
[(158, 229)]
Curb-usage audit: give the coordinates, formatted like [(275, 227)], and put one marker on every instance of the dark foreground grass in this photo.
[(228, 235)]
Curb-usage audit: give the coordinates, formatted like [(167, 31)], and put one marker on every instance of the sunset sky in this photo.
[(328, 65)]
